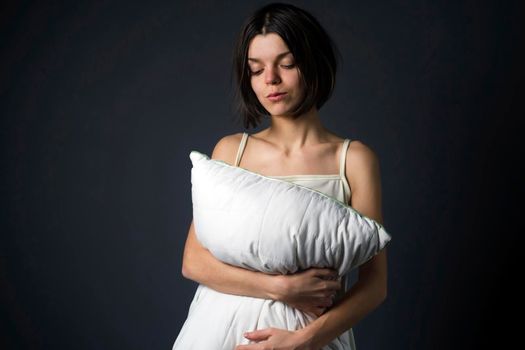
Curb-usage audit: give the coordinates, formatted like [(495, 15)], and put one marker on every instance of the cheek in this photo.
[(300, 85), (253, 84), (256, 87), (294, 79)]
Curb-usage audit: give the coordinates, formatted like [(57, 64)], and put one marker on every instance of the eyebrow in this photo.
[(278, 56)]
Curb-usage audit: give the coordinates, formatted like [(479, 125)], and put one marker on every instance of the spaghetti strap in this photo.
[(240, 150), (342, 158), (342, 166)]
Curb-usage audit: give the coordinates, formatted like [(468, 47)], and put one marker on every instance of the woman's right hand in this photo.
[(312, 290)]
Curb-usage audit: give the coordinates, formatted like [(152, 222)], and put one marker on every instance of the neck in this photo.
[(293, 134)]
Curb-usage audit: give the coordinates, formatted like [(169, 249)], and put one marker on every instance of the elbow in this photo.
[(186, 270)]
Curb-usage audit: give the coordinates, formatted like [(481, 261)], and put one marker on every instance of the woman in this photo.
[(285, 68)]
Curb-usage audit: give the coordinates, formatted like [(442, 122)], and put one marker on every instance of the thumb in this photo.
[(260, 334)]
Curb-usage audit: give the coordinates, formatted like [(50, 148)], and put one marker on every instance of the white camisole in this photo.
[(334, 185)]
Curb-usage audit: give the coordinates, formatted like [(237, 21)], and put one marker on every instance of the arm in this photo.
[(370, 289), (310, 290), (201, 266)]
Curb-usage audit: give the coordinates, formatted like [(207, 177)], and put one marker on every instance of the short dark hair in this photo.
[(313, 49)]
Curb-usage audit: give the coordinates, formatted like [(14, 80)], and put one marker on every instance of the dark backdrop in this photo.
[(102, 101)]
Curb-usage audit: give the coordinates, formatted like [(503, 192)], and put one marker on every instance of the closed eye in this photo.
[(289, 66)]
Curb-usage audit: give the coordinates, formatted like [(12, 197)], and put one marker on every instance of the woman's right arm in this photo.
[(311, 290), (199, 265)]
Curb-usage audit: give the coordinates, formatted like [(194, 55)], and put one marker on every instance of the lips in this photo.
[(273, 94)]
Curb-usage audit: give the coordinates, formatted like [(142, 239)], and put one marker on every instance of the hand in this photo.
[(311, 291), (275, 338)]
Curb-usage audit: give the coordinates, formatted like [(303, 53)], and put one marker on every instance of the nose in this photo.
[(271, 76)]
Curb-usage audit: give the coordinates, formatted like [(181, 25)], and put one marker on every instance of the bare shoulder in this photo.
[(226, 148), (360, 158), (362, 169)]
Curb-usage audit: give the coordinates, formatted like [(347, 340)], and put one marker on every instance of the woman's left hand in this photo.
[(275, 338)]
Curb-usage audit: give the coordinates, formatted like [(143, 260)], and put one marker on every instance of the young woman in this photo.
[(285, 67)]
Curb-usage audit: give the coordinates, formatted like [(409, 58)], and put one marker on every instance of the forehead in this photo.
[(267, 48)]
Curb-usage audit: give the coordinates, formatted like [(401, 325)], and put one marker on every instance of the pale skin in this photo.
[(301, 146)]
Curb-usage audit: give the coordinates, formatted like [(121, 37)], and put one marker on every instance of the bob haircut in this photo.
[(313, 50)]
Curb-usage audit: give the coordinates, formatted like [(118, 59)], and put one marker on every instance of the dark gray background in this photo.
[(102, 101)]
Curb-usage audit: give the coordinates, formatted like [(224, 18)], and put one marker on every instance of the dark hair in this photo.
[(313, 50)]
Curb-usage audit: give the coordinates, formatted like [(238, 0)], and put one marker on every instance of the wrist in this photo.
[(276, 286), (307, 336)]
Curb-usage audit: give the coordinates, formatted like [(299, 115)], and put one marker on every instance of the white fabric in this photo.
[(335, 185), (269, 225)]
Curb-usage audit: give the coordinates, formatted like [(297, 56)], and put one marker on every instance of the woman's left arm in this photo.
[(366, 294)]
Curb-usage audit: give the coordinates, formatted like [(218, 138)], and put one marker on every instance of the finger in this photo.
[(337, 284), (319, 311), (315, 312), (318, 301), (260, 334), (325, 273), (247, 347), (325, 302), (331, 286)]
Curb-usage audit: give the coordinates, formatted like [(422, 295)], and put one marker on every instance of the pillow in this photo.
[(275, 226), (269, 225)]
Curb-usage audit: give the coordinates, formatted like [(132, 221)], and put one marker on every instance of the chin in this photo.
[(284, 110), (278, 111)]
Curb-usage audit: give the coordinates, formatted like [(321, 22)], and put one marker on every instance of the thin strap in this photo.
[(240, 150), (342, 158), (347, 191)]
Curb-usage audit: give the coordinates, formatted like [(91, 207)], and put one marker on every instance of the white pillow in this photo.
[(275, 226), (270, 225)]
